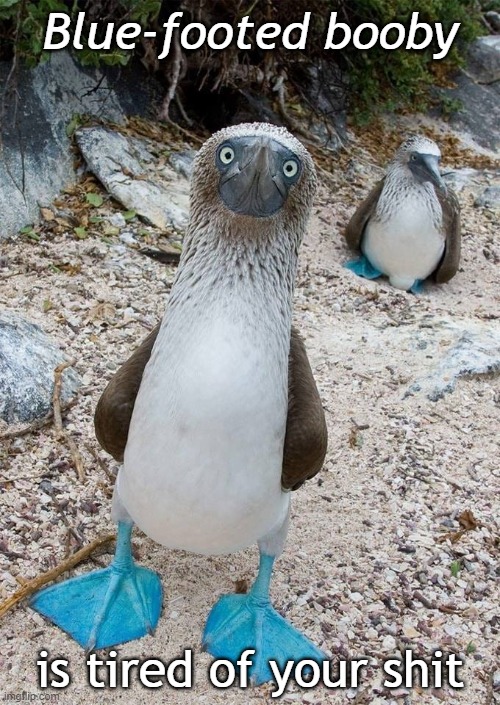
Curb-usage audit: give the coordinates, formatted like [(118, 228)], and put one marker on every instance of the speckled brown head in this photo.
[(252, 178), (421, 156)]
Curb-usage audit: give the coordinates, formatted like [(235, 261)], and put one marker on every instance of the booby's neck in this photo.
[(240, 265), (401, 185)]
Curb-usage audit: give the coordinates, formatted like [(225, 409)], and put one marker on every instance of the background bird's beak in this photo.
[(430, 166)]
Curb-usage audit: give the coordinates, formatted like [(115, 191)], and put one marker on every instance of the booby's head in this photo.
[(421, 156), (256, 174), (252, 175)]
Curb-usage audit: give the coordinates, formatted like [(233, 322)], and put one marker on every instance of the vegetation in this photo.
[(375, 79)]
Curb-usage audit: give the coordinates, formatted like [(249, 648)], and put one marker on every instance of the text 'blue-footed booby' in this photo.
[(408, 227), (216, 416)]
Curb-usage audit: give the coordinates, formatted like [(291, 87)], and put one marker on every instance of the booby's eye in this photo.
[(413, 157), (290, 168), (226, 155)]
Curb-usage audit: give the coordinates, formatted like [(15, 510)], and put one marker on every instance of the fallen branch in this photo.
[(36, 425), (33, 585), (61, 433)]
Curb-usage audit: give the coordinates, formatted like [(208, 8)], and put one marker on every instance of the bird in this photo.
[(216, 417), (408, 227)]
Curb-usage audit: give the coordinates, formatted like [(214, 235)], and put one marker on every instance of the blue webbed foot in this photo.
[(417, 287), (363, 268), (106, 607), (240, 622)]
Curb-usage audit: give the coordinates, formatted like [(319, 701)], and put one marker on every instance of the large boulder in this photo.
[(478, 92), (28, 358), (128, 170), (35, 160)]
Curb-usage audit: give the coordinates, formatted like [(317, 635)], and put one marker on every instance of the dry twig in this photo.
[(35, 425), (33, 585), (61, 433)]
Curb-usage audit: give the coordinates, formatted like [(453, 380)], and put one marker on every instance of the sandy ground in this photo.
[(393, 546)]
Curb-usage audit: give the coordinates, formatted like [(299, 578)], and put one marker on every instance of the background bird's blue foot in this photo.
[(239, 622), (417, 287), (363, 268), (105, 607)]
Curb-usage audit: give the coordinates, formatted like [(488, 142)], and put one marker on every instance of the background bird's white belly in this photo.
[(405, 247), (202, 467)]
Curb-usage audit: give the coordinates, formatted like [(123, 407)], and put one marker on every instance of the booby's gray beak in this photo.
[(256, 175), (426, 168)]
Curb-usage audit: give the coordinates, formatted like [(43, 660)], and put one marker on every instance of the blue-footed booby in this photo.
[(216, 416), (408, 227)]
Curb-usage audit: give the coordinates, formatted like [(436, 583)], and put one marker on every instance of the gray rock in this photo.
[(458, 179), (426, 355), (182, 162), (477, 90), (490, 198), (493, 18), (28, 358), (121, 164), (483, 62), (476, 352), (36, 160)]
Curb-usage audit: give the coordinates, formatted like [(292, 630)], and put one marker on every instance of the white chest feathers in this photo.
[(202, 468), (404, 239)]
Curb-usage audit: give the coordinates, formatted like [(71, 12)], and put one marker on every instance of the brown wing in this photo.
[(306, 435), (448, 266), (355, 227), (114, 409)]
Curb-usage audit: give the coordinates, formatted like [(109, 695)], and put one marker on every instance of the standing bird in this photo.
[(408, 227), (216, 416)]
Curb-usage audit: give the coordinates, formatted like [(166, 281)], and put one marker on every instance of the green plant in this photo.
[(375, 80)]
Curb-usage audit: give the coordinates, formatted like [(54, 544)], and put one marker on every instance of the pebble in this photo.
[(391, 629), (389, 643), (117, 220), (128, 238), (356, 596)]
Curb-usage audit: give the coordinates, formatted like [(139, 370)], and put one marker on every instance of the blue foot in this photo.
[(363, 268), (105, 607), (239, 622), (417, 287)]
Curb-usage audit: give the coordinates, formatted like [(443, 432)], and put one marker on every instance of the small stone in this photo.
[(128, 238), (389, 643), (356, 596), (117, 220), (410, 632)]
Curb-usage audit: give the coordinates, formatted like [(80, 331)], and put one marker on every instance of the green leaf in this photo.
[(8, 3), (471, 647), (80, 233), (73, 125), (455, 568), (30, 233), (95, 199), (129, 215)]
